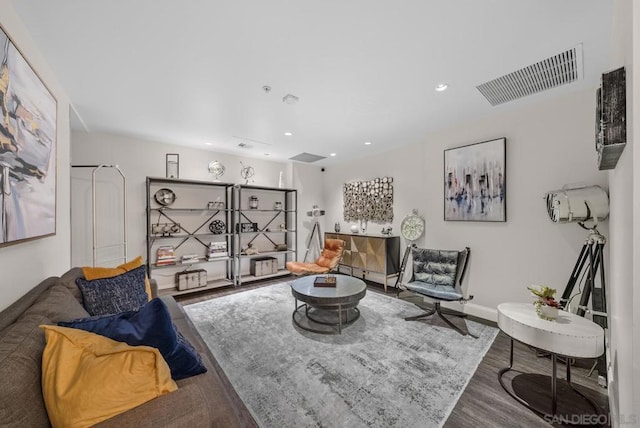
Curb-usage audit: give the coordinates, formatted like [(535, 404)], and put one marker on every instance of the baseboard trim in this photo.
[(479, 311), (483, 312)]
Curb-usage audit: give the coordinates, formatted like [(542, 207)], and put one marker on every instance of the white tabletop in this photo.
[(569, 335)]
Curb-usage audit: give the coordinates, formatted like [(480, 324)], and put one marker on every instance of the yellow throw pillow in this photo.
[(91, 273), (88, 378)]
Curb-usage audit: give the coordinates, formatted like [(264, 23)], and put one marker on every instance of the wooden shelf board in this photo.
[(179, 264), (249, 210), (269, 253), (266, 231), (216, 283), (189, 209), (251, 278), (198, 235)]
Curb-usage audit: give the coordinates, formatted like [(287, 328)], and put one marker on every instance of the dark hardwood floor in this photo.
[(484, 403)]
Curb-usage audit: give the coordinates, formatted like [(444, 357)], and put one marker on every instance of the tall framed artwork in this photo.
[(27, 149), (475, 182)]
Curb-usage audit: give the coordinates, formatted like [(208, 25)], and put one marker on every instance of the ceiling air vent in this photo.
[(307, 157), (557, 70), (245, 143)]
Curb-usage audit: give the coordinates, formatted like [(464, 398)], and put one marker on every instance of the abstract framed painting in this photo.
[(475, 182), (27, 150)]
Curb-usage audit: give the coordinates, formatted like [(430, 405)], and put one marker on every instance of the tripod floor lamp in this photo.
[(580, 205), (315, 230)]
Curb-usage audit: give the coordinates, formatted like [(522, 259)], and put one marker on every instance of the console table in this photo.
[(570, 336), (379, 254)]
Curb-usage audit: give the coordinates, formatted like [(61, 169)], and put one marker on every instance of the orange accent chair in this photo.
[(327, 262)]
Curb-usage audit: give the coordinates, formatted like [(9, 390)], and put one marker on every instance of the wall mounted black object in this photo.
[(611, 123)]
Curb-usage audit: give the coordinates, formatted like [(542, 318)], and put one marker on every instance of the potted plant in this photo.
[(546, 305)]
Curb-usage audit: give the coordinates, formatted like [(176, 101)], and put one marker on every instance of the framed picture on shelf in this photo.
[(247, 227), (475, 182), (27, 150)]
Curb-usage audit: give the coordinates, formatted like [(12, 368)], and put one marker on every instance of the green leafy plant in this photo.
[(545, 297)]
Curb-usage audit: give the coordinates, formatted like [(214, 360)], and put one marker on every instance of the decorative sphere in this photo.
[(217, 169)]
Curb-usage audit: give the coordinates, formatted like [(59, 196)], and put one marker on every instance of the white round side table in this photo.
[(569, 336)]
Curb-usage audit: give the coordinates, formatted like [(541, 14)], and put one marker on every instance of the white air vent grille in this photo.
[(307, 157), (557, 70), (245, 143)]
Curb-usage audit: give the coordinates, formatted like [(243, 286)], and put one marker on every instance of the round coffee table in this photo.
[(341, 300)]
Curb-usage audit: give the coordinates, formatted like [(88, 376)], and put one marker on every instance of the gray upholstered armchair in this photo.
[(438, 274)]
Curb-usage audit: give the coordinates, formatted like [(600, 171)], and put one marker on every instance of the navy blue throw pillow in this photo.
[(149, 326), (113, 295)]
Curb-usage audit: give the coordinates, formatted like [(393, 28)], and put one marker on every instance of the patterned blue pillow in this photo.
[(113, 295), (150, 326)]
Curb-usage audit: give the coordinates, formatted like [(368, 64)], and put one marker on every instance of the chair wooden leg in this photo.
[(453, 313), (441, 314), (424, 315)]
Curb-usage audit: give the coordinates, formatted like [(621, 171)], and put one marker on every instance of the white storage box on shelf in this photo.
[(263, 266), (189, 279)]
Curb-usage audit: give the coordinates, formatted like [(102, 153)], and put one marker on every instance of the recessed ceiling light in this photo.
[(288, 134), (332, 154), (209, 144), (367, 143), (441, 87)]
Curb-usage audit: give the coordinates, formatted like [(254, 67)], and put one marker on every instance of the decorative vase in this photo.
[(363, 226), (253, 202), (545, 312), (354, 228), (336, 227)]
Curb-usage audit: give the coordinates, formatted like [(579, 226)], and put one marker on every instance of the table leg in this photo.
[(554, 379), (511, 354), (554, 401)]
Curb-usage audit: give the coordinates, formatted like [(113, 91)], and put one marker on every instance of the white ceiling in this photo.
[(191, 72)]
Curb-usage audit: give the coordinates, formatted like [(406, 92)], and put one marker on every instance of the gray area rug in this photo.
[(381, 372)]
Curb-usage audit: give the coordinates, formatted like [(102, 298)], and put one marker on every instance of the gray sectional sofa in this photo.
[(207, 399)]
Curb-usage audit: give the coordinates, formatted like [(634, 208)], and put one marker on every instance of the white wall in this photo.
[(624, 288), (634, 137), (141, 158), (309, 180), (548, 145), (24, 265)]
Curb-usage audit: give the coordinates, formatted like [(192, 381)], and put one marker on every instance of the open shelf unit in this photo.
[(188, 219), (273, 223), (183, 225)]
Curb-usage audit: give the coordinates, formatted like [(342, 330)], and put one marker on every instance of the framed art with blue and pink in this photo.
[(27, 150), (475, 182)]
